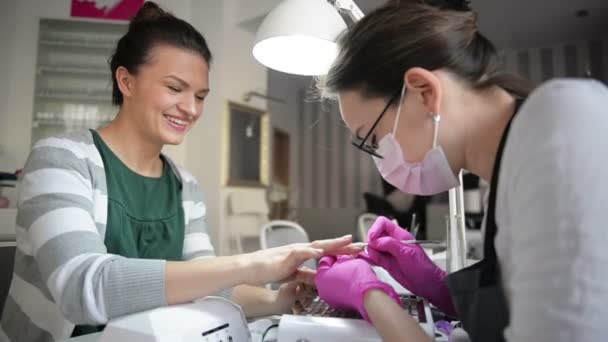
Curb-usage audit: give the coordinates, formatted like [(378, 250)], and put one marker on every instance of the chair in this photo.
[(7, 258), (364, 223), (280, 233), (247, 211)]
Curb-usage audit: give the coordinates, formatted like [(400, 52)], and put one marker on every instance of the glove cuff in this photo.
[(442, 299)]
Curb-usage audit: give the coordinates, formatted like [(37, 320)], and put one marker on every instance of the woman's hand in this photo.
[(408, 263), (291, 297), (294, 297), (343, 282), (186, 281), (281, 264)]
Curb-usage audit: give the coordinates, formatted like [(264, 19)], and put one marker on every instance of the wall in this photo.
[(328, 175), (233, 73), (327, 171), (568, 59)]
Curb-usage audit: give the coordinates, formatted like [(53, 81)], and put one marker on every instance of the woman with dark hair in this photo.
[(108, 226), (412, 67)]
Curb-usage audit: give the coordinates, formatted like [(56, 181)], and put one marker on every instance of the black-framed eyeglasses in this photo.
[(371, 148)]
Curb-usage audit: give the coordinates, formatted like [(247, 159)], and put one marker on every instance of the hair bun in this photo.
[(460, 5), (455, 5), (149, 11)]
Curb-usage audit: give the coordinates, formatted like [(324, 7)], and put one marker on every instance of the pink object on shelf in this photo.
[(104, 9)]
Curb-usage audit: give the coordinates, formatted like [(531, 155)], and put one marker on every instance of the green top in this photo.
[(145, 214)]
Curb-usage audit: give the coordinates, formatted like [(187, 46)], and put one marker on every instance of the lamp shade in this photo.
[(298, 37)]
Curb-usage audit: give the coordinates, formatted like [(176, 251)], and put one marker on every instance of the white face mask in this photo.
[(431, 176)]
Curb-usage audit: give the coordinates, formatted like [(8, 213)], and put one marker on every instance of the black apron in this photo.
[(477, 291)]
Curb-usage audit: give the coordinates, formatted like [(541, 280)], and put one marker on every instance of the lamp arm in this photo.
[(353, 11)]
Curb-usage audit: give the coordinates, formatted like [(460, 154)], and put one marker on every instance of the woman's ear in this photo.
[(124, 79), (426, 86)]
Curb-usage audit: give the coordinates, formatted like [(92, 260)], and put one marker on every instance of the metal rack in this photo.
[(73, 84)]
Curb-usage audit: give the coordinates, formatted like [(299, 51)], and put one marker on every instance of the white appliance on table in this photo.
[(211, 319)]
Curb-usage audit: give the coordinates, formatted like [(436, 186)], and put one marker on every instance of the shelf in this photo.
[(75, 97), (72, 75), (68, 126), (74, 70), (85, 45), (72, 124)]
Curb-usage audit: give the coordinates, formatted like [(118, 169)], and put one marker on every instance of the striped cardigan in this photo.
[(63, 274)]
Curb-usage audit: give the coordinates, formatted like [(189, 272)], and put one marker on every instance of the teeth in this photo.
[(176, 121)]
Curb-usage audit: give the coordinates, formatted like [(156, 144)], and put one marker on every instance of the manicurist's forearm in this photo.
[(389, 319)]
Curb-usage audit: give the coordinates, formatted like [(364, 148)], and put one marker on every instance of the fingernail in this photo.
[(358, 245), (318, 250), (348, 236)]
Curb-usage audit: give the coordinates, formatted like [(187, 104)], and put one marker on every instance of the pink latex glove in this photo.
[(408, 263), (343, 281)]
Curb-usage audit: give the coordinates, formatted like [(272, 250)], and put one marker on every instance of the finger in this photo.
[(380, 258), (394, 250), (379, 228), (305, 294), (385, 227), (365, 256), (310, 290), (330, 245), (300, 253), (343, 258), (305, 276), (376, 255), (297, 308), (302, 275), (292, 287), (387, 244), (306, 299), (352, 248), (326, 262)]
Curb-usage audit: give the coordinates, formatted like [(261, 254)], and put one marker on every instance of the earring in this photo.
[(436, 117)]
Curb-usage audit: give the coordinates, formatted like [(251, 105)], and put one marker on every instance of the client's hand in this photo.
[(294, 296), (342, 282), (281, 264)]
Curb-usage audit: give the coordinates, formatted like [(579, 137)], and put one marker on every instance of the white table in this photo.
[(256, 327)]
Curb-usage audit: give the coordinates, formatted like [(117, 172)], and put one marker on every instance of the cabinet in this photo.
[(7, 224), (73, 87)]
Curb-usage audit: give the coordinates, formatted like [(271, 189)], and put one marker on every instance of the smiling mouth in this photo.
[(176, 121)]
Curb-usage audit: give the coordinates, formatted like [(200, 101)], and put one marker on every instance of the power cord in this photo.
[(268, 329)]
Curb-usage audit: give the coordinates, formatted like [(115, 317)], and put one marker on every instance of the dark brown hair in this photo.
[(432, 34), (150, 27)]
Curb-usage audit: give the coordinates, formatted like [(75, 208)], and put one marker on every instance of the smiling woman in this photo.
[(109, 226), (160, 77)]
